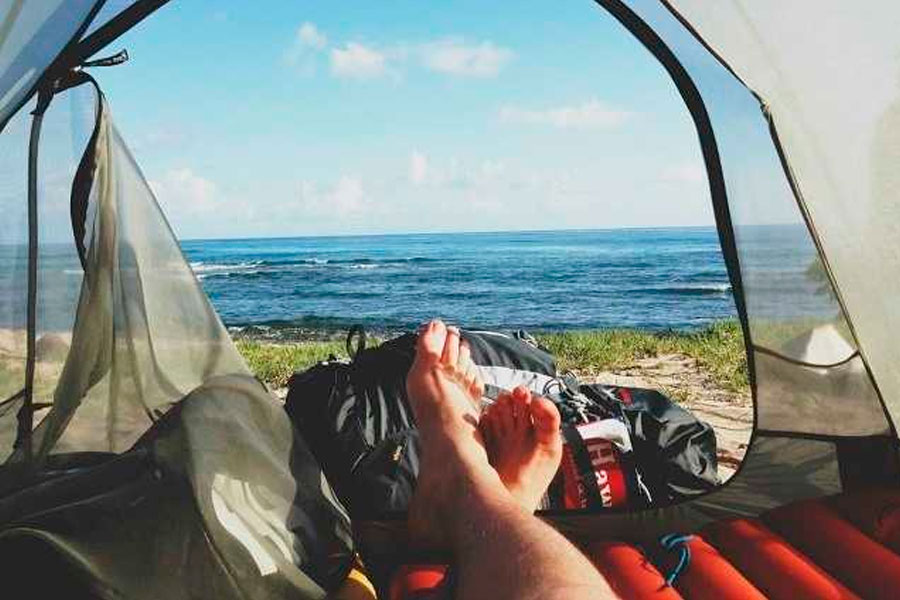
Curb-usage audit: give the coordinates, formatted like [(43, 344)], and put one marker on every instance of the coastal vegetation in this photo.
[(717, 349)]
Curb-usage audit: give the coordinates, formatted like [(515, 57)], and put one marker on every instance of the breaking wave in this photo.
[(204, 270), (687, 289)]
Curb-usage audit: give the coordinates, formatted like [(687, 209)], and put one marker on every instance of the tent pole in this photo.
[(26, 412)]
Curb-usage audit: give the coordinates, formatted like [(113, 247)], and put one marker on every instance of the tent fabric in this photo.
[(144, 332), (828, 74), (793, 312), (67, 125), (32, 34), (220, 499), (836, 400), (135, 360)]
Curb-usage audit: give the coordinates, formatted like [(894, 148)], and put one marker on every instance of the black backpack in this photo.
[(356, 418)]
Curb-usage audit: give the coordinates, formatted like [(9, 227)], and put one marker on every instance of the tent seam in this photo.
[(802, 363)]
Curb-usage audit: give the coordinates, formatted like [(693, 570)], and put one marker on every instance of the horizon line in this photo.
[(470, 232)]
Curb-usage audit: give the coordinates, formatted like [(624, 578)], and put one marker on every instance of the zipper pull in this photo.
[(398, 453), (108, 61)]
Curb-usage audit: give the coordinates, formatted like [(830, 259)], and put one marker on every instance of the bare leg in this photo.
[(500, 550), (521, 433)]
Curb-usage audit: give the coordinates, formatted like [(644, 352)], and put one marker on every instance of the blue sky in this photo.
[(296, 118)]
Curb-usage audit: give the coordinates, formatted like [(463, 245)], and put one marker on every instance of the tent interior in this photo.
[(137, 441)]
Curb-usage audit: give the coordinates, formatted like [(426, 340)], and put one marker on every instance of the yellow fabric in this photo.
[(357, 587)]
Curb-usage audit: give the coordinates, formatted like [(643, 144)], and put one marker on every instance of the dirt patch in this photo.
[(730, 413)]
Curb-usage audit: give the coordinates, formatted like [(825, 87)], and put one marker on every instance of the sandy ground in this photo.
[(729, 413)]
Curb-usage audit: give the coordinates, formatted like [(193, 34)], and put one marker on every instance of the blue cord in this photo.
[(678, 541)]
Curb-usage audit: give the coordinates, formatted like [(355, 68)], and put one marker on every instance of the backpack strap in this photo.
[(358, 333)]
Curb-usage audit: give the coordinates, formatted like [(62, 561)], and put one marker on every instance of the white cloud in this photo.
[(685, 173), (356, 61), (307, 43), (451, 173), (456, 57), (183, 191), (347, 197), (592, 114), (310, 36), (418, 168)]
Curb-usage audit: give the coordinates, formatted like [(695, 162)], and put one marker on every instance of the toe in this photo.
[(476, 388), (473, 385), (504, 413), (450, 355), (431, 341), (464, 360), (546, 420), (471, 377), (521, 398)]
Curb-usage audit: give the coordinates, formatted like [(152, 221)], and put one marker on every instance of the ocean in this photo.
[(318, 287), (542, 280)]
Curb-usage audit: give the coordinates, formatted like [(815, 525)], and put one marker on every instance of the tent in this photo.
[(141, 457)]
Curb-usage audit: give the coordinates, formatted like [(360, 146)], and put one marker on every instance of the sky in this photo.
[(276, 118)]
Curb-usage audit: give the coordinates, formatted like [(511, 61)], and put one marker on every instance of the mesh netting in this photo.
[(144, 332), (130, 358), (809, 376), (13, 274), (829, 75)]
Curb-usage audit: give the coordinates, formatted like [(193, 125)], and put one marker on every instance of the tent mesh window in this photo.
[(810, 377), (65, 131)]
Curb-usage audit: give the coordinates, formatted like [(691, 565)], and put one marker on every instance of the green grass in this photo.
[(718, 349), (274, 363)]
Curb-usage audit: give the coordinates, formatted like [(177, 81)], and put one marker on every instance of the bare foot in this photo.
[(521, 433), (445, 395)]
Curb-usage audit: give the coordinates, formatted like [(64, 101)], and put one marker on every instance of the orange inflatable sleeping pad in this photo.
[(875, 512), (864, 565), (710, 575), (775, 567), (419, 582), (628, 572)]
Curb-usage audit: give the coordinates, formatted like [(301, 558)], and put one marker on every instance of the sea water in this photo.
[(288, 288), (543, 280)]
